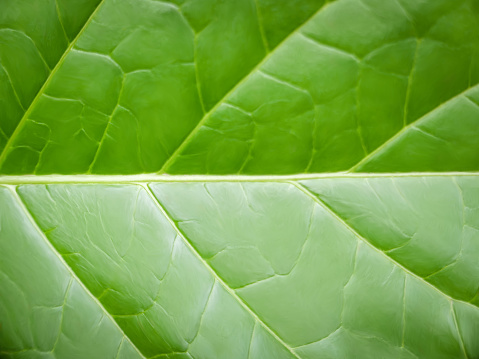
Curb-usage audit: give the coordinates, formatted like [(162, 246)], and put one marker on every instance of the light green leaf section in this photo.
[(260, 87), (244, 268), (45, 310), (429, 226), (127, 253), (372, 305), (34, 34)]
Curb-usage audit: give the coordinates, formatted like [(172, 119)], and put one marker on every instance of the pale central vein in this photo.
[(153, 177)]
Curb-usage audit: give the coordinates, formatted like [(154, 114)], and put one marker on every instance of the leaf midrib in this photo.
[(154, 177), (40, 92)]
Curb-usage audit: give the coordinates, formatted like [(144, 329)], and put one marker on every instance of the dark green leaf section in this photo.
[(139, 79), (260, 87), (372, 86), (34, 34), (438, 141), (381, 267)]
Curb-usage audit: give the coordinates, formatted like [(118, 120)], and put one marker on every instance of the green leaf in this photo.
[(252, 87), (267, 267), (34, 37), (117, 240)]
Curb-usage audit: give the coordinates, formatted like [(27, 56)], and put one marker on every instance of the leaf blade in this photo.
[(29, 62), (73, 296)]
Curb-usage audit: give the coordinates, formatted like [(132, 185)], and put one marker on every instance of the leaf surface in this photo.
[(34, 36), (194, 179), (209, 87), (251, 268)]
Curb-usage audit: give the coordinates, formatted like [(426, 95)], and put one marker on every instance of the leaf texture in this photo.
[(267, 268), (192, 179), (34, 35), (226, 88)]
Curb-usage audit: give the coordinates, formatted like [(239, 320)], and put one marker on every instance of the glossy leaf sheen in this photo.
[(258, 266)]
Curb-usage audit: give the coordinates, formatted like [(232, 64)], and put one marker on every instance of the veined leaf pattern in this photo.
[(251, 268), (192, 179), (34, 36), (360, 85)]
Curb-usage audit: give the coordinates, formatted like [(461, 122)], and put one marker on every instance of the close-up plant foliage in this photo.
[(245, 179)]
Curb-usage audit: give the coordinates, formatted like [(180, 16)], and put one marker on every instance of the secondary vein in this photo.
[(70, 270), (214, 273), (200, 124), (400, 133), (30, 108), (351, 229)]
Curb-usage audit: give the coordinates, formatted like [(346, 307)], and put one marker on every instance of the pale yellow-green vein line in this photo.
[(352, 230), (27, 113), (200, 124), (215, 275), (404, 130), (68, 268), (154, 177)]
